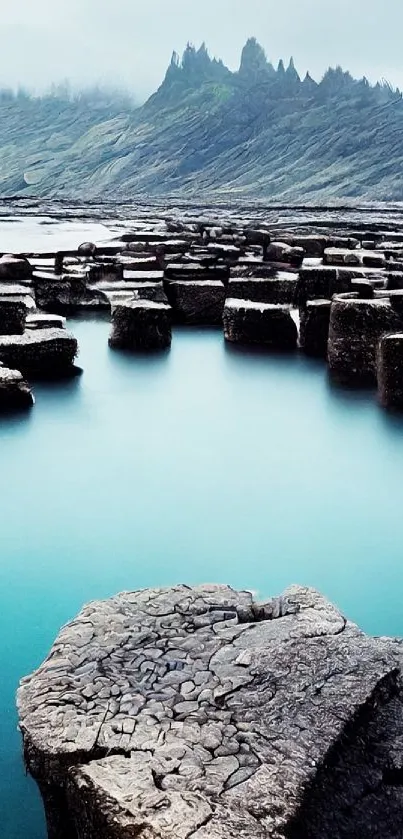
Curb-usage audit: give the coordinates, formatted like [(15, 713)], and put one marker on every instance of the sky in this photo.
[(128, 43)]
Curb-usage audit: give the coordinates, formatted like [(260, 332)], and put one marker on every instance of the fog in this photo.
[(128, 43)]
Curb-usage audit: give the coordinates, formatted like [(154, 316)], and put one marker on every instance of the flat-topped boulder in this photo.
[(141, 325), (356, 327), (134, 291), (45, 321), (39, 351), (259, 323), (339, 256), (197, 302), (203, 712), (15, 392)]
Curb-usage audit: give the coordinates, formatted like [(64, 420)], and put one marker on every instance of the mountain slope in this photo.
[(260, 132)]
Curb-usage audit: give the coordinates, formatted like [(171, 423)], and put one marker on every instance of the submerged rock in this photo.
[(200, 712), (141, 325), (15, 392), (259, 323), (39, 351)]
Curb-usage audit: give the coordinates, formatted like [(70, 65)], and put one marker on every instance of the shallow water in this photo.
[(205, 463)]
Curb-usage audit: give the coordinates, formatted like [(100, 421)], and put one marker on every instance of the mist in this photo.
[(128, 44)]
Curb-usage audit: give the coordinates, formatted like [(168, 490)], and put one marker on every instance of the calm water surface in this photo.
[(201, 464)]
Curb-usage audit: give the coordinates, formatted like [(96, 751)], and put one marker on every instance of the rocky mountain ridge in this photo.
[(207, 132)]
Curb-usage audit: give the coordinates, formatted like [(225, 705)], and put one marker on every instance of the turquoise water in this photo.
[(201, 464)]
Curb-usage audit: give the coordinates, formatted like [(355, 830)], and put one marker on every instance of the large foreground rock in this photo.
[(259, 323), (199, 712), (39, 351)]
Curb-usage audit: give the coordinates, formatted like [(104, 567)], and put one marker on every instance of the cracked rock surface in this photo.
[(199, 712)]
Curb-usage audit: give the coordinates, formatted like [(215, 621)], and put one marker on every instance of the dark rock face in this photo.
[(200, 712), (13, 313), (320, 283), (14, 269), (390, 370), (199, 302), (39, 351), (66, 294), (259, 323), (314, 327), (141, 325), (15, 393), (87, 249), (40, 321), (356, 327), (278, 289)]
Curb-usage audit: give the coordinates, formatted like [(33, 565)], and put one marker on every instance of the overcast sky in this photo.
[(129, 42)]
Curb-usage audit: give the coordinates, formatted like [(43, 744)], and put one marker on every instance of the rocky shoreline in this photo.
[(203, 712), (330, 285)]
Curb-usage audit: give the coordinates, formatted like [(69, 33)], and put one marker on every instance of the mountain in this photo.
[(259, 133)]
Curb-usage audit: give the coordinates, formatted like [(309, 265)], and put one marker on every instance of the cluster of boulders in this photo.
[(31, 344), (201, 712), (334, 293)]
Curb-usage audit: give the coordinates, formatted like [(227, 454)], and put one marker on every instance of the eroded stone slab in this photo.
[(200, 712)]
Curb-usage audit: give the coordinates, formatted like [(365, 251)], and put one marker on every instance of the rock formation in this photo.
[(356, 327), (280, 288), (314, 327), (15, 393), (39, 351), (246, 322), (196, 302), (13, 313), (200, 712), (14, 269), (141, 325), (390, 370)]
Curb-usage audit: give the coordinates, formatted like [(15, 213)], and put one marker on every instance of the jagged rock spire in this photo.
[(291, 71), (253, 59)]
